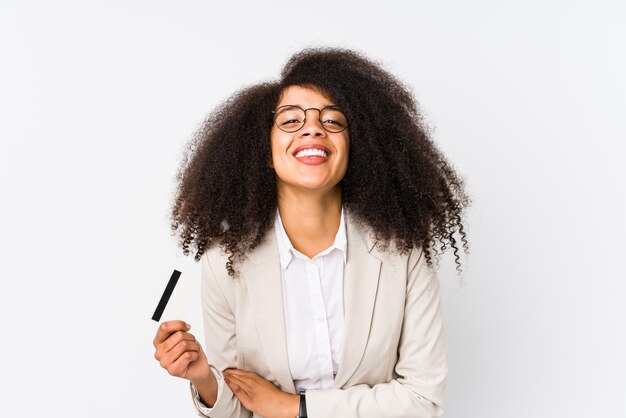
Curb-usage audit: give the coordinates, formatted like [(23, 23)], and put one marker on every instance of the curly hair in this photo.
[(397, 184)]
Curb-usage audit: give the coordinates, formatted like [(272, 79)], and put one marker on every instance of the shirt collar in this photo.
[(286, 250)]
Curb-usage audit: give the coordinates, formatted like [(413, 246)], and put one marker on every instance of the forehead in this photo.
[(305, 97)]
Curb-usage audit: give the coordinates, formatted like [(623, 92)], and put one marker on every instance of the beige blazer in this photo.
[(394, 355)]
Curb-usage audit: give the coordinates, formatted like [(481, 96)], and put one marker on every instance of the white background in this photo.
[(97, 100)]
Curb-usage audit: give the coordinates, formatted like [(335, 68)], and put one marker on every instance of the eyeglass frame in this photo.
[(275, 113)]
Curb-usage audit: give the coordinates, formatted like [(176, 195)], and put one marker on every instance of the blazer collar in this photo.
[(261, 274)]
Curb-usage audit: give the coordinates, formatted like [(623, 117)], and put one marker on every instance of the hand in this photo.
[(260, 395), (179, 353)]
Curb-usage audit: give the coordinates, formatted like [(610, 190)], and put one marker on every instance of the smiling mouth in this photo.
[(311, 152), (312, 159)]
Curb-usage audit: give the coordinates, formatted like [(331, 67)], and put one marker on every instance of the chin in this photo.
[(316, 187), (313, 185)]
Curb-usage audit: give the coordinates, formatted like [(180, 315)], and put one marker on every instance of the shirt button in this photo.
[(320, 319)]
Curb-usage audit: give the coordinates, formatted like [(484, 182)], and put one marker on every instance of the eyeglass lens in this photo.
[(292, 118)]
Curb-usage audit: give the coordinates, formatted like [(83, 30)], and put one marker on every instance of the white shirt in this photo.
[(313, 309)]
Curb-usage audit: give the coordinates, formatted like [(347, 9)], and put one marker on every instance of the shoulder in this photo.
[(409, 267), (215, 258), (363, 237), (213, 267)]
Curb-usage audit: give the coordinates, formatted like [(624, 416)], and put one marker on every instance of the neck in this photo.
[(310, 220)]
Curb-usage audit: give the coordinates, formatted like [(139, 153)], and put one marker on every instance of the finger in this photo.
[(236, 388), (175, 339), (243, 383), (231, 384), (237, 372), (180, 366), (179, 350), (245, 376), (167, 328)]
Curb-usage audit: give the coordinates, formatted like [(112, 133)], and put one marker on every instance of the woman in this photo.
[(292, 194)]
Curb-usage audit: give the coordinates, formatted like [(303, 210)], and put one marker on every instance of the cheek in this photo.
[(278, 152), (345, 150), (273, 143), (278, 141)]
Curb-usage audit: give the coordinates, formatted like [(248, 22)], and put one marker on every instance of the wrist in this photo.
[(207, 388), (205, 380), (292, 406)]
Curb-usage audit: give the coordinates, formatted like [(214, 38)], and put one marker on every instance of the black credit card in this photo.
[(171, 284)]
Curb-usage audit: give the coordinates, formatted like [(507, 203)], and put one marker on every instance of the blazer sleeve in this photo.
[(220, 339), (421, 369)]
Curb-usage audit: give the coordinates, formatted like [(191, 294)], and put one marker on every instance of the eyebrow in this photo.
[(299, 105)]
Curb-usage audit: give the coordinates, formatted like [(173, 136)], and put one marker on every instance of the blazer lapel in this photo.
[(360, 286), (263, 280)]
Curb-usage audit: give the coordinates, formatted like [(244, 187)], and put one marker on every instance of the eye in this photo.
[(333, 122), (289, 116), (334, 119)]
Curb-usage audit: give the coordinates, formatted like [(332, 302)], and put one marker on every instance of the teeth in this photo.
[(311, 151)]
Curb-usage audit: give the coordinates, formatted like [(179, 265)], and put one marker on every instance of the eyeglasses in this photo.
[(291, 118)]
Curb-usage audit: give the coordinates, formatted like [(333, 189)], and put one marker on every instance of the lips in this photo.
[(312, 154), (312, 146)]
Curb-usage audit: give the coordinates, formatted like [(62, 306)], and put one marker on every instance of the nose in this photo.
[(312, 124)]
